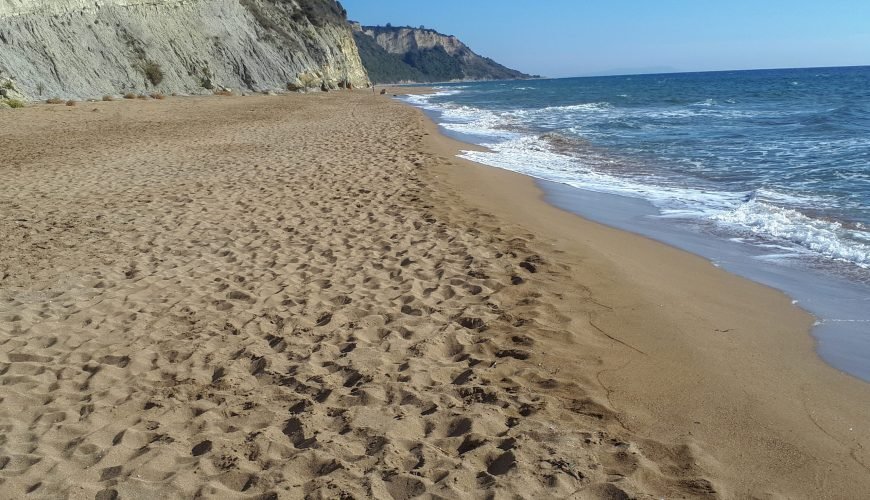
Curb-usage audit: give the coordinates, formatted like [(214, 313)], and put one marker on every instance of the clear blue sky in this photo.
[(579, 37)]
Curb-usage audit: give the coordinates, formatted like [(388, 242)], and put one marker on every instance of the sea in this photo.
[(766, 173)]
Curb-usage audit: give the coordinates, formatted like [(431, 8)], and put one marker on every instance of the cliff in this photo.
[(394, 54), (87, 48)]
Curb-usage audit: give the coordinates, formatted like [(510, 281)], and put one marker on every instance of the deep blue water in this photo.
[(765, 172)]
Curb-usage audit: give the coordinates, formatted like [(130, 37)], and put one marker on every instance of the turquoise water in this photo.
[(766, 172)]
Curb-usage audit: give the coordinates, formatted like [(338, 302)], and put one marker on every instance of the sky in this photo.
[(561, 38)]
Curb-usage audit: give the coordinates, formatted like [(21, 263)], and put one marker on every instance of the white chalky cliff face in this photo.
[(81, 49), (402, 40)]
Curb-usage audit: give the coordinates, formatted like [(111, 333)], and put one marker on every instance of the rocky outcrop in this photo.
[(393, 54), (10, 97), (87, 48)]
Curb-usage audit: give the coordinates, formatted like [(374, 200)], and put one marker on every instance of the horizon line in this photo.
[(679, 72)]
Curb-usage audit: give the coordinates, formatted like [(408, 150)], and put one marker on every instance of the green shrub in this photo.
[(435, 63), (320, 13), (153, 72), (382, 66), (14, 103), (205, 80)]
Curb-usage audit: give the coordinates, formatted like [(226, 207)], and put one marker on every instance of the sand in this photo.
[(308, 297)]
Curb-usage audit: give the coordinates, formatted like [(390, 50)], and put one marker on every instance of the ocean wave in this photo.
[(827, 238), (565, 143), (471, 120), (741, 212), (603, 112), (561, 116), (766, 216), (840, 118), (585, 106), (424, 100), (804, 200), (537, 157), (705, 103)]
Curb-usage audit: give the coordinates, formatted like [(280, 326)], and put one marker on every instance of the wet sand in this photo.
[(307, 295)]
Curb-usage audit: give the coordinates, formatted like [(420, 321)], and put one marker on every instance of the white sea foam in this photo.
[(423, 99), (705, 102), (827, 238), (585, 106), (758, 216), (533, 156)]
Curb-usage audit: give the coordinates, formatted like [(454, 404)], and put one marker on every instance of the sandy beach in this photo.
[(309, 296)]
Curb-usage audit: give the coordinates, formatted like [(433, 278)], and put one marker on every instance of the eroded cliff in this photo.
[(80, 49)]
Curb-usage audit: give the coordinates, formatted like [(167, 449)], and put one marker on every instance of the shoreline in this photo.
[(834, 302), (832, 291), (498, 191), (308, 295)]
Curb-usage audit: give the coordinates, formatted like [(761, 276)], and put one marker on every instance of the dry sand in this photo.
[(306, 296)]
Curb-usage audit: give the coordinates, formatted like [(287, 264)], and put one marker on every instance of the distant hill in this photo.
[(405, 54)]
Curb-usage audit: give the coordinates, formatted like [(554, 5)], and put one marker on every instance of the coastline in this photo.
[(836, 303), (310, 295), (709, 313), (763, 234)]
